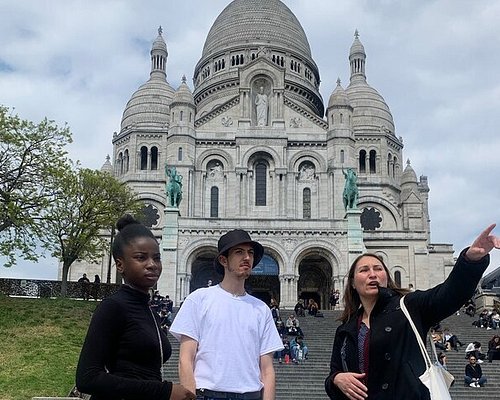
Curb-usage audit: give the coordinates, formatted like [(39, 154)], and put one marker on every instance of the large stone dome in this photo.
[(256, 21), (249, 30)]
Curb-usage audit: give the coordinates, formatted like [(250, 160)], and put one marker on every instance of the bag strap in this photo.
[(433, 347), (421, 344)]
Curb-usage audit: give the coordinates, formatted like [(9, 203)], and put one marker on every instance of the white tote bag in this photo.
[(436, 378)]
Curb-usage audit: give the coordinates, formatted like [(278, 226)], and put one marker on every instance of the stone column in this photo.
[(184, 285), (288, 291), (354, 234), (168, 246)]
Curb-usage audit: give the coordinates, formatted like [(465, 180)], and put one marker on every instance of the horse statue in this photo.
[(350, 194), (173, 187)]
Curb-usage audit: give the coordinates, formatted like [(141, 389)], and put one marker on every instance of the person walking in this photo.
[(124, 349), (85, 286), (228, 337), (375, 352)]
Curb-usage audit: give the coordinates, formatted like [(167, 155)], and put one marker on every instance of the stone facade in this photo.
[(276, 170)]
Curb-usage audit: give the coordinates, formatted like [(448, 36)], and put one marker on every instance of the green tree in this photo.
[(31, 156), (79, 216)]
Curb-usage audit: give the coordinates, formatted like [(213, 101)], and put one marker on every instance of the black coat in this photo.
[(395, 361), (121, 358)]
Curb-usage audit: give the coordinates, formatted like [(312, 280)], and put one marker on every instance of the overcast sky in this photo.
[(436, 63)]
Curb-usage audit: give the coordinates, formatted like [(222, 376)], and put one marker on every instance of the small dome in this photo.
[(107, 167), (339, 97), (371, 112), (149, 105), (159, 42), (409, 176), (357, 47), (183, 94)]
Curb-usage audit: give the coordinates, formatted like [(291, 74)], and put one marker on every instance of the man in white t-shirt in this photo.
[(227, 336)]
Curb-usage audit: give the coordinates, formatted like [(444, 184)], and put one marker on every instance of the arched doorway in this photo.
[(264, 282), (203, 271), (314, 280)]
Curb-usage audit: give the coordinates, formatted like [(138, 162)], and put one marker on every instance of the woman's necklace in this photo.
[(234, 294)]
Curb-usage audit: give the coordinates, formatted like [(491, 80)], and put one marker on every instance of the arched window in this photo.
[(397, 278), (260, 184), (362, 161), (154, 158), (179, 154), (306, 203), (373, 159), (394, 163), (144, 158), (182, 115), (342, 157), (214, 202), (120, 163), (126, 160), (389, 164)]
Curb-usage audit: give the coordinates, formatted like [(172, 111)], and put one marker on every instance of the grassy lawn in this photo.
[(40, 341)]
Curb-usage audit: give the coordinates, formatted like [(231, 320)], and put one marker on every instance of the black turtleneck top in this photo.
[(121, 357)]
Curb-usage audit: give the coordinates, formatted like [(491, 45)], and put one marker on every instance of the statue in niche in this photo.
[(216, 170), (173, 187), (350, 195), (261, 107), (306, 172)]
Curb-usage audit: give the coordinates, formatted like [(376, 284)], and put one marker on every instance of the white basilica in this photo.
[(255, 147)]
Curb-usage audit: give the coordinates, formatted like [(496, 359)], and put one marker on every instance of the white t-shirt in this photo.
[(232, 333)]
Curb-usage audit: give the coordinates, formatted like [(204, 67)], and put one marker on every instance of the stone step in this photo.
[(306, 380)]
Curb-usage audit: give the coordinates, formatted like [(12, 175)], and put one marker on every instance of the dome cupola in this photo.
[(107, 167), (149, 105), (183, 94), (409, 176), (339, 97), (371, 112)]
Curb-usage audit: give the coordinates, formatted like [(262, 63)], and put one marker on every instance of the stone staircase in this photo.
[(306, 381)]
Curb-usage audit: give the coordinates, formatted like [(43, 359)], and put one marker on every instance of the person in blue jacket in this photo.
[(375, 353)]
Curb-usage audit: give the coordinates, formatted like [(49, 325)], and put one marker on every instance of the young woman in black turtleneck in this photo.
[(124, 348)]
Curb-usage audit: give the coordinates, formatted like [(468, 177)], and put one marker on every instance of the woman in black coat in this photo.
[(375, 353)]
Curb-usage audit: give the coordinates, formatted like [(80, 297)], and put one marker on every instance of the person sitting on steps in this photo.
[(473, 374), (494, 348)]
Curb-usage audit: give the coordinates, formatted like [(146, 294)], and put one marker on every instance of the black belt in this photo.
[(229, 395)]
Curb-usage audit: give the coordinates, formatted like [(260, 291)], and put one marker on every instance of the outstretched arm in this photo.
[(483, 244)]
